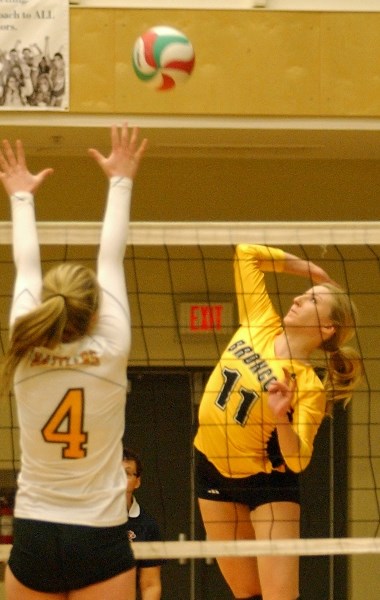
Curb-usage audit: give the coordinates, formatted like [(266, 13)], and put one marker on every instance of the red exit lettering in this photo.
[(205, 317)]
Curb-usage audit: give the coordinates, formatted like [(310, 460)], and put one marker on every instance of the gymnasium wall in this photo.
[(248, 63)]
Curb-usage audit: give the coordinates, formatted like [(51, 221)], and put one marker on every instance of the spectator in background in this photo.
[(142, 528)]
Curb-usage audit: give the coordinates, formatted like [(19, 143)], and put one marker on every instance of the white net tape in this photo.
[(200, 549), (184, 233)]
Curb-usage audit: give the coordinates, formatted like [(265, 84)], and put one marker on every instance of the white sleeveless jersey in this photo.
[(71, 400)]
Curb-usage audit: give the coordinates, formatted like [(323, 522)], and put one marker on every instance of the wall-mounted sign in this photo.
[(34, 55), (206, 317)]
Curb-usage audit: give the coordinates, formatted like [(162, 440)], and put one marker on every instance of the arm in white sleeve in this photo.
[(26, 255), (110, 267)]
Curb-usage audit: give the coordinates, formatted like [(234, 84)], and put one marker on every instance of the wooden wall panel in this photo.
[(247, 63), (92, 61), (350, 50)]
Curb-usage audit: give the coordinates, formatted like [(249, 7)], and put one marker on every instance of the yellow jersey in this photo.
[(237, 429)]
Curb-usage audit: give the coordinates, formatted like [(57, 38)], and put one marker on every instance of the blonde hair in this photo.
[(344, 365), (69, 299)]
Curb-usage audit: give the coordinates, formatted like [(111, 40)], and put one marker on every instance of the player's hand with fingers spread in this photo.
[(280, 395), (14, 174), (125, 155)]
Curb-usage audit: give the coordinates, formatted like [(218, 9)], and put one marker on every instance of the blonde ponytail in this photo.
[(69, 299), (344, 364), (344, 373)]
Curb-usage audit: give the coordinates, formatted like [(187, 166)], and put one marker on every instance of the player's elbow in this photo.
[(299, 463)]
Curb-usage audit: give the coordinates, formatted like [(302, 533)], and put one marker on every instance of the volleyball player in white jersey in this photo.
[(67, 357)]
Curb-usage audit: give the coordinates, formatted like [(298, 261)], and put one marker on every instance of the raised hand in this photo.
[(15, 175), (126, 153)]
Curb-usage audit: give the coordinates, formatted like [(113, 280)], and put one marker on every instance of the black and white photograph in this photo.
[(34, 55)]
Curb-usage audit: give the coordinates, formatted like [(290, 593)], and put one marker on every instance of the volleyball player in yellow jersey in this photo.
[(261, 411), (67, 359)]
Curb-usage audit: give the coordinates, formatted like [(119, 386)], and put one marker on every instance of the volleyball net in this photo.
[(181, 293)]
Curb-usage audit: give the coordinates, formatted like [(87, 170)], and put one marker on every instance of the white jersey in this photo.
[(71, 400)]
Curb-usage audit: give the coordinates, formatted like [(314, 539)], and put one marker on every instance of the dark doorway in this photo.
[(158, 426)]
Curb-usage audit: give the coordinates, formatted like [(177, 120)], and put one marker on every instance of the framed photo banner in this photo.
[(34, 55)]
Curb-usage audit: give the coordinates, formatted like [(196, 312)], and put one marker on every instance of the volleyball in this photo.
[(163, 57)]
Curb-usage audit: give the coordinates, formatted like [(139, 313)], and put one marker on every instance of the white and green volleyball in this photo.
[(163, 57)]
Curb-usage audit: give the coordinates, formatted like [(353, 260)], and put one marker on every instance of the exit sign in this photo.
[(206, 317)]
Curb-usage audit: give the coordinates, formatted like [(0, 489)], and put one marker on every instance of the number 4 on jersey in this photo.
[(65, 426)]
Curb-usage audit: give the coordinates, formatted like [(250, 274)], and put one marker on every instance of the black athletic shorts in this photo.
[(56, 557), (252, 491)]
